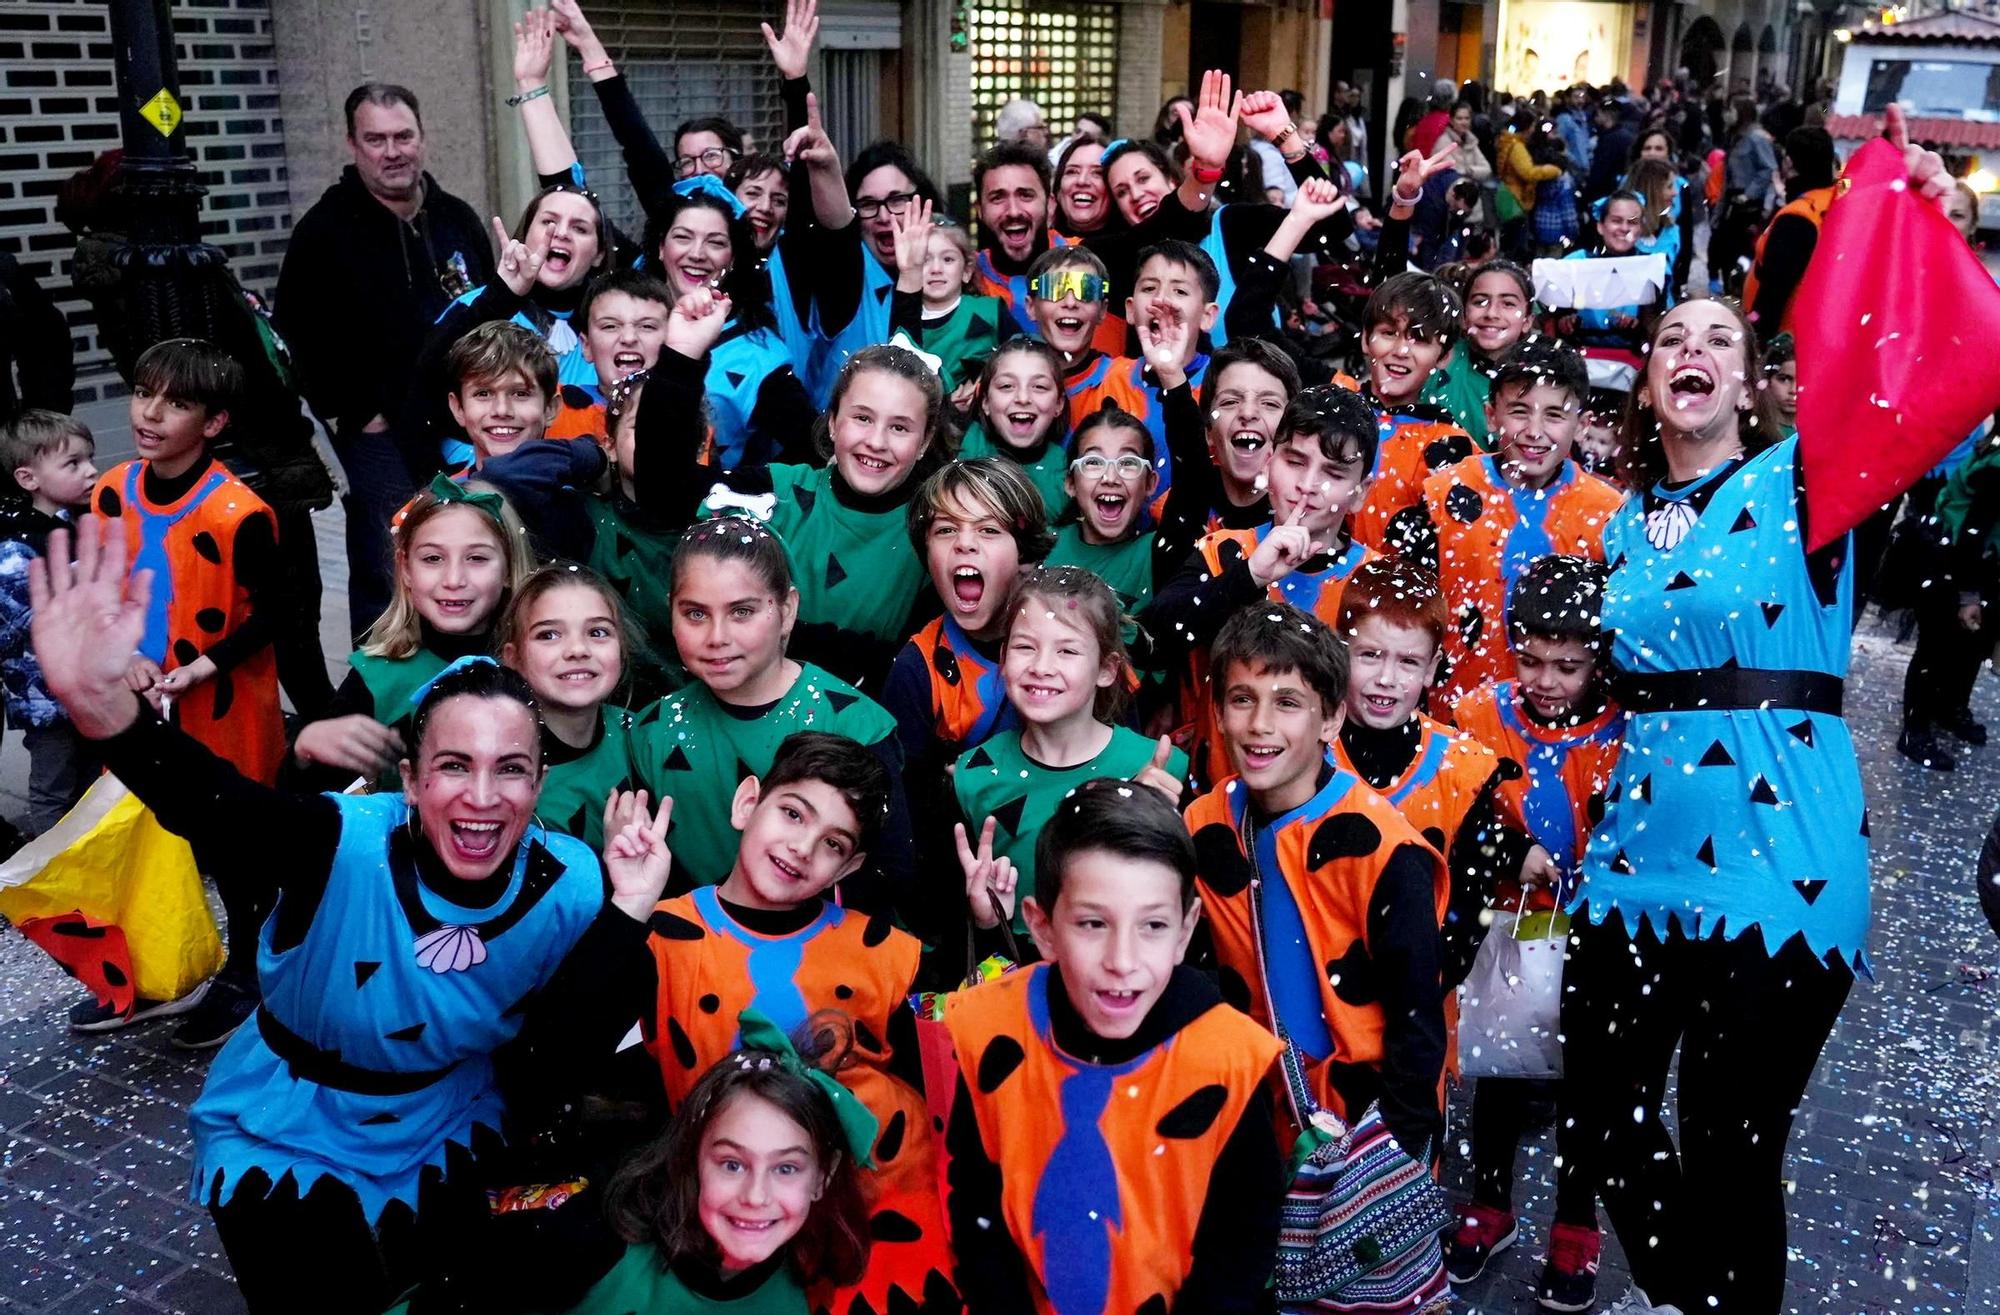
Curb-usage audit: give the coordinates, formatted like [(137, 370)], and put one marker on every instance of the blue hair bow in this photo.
[(710, 186), (456, 665)]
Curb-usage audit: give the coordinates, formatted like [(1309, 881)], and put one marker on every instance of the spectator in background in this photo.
[(1021, 120), (1423, 137), (1521, 174), (368, 270), (1786, 247), (707, 145), (1347, 102), (1574, 125), (1617, 129), (1167, 123), (37, 357)]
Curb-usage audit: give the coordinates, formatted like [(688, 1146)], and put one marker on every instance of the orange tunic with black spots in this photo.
[(1487, 534), (711, 968), (1104, 1168), (1329, 854), (1408, 448), (190, 547)]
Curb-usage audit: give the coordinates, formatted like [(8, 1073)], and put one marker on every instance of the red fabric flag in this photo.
[(1896, 357)]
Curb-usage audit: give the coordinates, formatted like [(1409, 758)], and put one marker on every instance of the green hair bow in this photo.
[(446, 489), (857, 1124)]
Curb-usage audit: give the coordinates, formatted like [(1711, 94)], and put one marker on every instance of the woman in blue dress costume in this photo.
[(1724, 899), (414, 936)]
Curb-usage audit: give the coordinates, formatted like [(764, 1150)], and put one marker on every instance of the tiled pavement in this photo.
[(1893, 1200)]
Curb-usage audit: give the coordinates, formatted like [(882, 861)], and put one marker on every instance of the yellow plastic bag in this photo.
[(115, 898)]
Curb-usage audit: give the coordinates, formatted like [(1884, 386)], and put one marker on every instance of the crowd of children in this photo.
[(1091, 738)]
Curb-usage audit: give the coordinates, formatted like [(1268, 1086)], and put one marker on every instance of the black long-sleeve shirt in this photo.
[(1235, 1241)]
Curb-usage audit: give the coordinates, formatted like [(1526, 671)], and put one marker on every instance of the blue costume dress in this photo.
[(1736, 802), (372, 1053)]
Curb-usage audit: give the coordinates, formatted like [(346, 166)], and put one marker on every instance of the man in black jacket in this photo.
[(37, 358), (369, 269)]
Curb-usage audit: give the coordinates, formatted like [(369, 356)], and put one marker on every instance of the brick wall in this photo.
[(58, 111), (1139, 41)]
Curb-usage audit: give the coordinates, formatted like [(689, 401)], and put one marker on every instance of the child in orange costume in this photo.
[(1110, 1138), (1482, 522), (1409, 325), (767, 939)]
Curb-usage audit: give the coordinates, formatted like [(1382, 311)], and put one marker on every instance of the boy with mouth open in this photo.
[(624, 316), (1445, 784), (1110, 1136), (1323, 903), (1485, 520), (1304, 554)]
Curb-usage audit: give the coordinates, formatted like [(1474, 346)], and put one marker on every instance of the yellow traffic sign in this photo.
[(163, 112)]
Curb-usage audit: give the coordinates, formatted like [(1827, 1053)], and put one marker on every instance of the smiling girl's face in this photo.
[(759, 1179), (455, 570), (570, 651), (1023, 398), (1052, 665), (696, 250), (565, 229), (879, 430)]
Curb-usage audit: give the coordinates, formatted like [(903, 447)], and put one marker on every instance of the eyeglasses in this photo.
[(1057, 284), (715, 159), (1129, 466), (895, 203)]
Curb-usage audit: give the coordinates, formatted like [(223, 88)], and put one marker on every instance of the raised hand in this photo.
[(1163, 339), (1283, 549), (912, 229), (791, 51), (1539, 869), (1210, 129), (519, 264), (1156, 774), (88, 618), (357, 744), (534, 49), (810, 145), (696, 322), (1263, 113), (1928, 176), (989, 881), (1318, 200), (576, 30), (1415, 169), (637, 861)]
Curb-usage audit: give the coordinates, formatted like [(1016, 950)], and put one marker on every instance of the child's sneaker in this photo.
[(89, 1016), (1483, 1233), (227, 1007), (1569, 1279), (1635, 1303)]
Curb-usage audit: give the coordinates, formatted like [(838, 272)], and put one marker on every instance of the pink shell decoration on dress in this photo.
[(451, 949)]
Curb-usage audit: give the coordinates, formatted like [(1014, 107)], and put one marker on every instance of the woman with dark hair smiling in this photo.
[(415, 934)]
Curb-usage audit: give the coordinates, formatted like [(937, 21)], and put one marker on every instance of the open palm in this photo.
[(88, 622)]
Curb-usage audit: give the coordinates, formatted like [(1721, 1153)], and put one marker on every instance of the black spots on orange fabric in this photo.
[(843, 992), (1220, 861), (109, 503), (1509, 770), (1353, 977), (940, 1297), (673, 927), (211, 620), (878, 929), (1153, 1305), (1228, 553), (575, 398), (1471, 625), (225, 695), (890, 1226), (185, 652), (1344, 835), (206, 547), (1445, 451), (683, 1047), (865, 1038), (1195, 1115), (1434, 837), (116, 975), (890, 1144), (78, 928), (1002, 1057), (709, 1003), (945, 663), (1235, 989), (1464, 504)]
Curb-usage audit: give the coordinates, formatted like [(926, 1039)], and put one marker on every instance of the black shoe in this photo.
[(90, 1016), (226, 1007), (1483, 1233), (1923, 746), (1961, 726)]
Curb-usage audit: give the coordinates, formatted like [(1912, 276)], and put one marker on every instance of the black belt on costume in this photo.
[(1730, 689), (309, 1063)]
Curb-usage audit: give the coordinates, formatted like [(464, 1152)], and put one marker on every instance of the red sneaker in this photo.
[(1569, 1279), (1483, 1233)]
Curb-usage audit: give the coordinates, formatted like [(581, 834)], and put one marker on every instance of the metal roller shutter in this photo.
[(1061, 54)]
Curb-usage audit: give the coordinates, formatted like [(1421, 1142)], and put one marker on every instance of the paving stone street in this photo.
[(1891, 1172)]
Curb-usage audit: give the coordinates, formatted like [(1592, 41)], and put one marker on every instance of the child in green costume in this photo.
[(1021, 414), (735, 607), (460, 553), (1499, 307), (930, 305)]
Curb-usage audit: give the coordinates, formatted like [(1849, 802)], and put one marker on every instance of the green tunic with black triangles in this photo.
[(998, 779), (698, 749), (1461, 385), (853, 569), (573, 792), (393, 682), (964, 339), (636, 558), (1126, 566), (1046, 469)]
